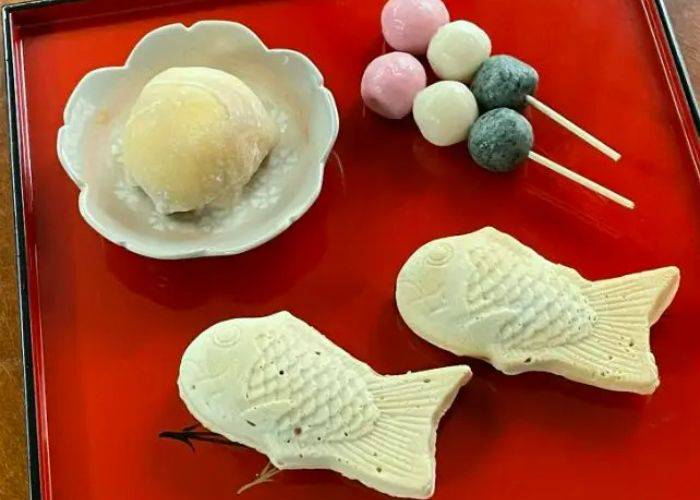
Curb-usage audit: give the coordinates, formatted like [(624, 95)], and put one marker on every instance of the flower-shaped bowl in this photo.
[(283, 189)]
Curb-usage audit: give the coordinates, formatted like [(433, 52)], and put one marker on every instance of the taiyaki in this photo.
[(488, 296), (278, 385)]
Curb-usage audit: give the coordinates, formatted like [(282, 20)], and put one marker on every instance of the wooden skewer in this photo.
[(593, 186), (573, 128)]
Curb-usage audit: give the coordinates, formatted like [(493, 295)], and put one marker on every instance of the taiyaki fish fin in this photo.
[(521, 250), (265, 415), (317, 339), (397, 456), (474, 338), (507, 241), (617, 354)]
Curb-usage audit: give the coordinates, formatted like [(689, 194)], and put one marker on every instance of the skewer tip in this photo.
[(583, 181), (573, 128)]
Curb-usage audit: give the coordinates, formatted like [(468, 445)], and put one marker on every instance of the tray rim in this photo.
[(37, 489)]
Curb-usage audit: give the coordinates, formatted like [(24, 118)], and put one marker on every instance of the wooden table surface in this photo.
[(13, 479)]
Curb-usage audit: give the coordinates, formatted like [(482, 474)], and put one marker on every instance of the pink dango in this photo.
[(408, 25), (391, 82)]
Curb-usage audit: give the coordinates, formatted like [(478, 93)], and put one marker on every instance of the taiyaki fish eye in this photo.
[(226, 337), (440, 255)]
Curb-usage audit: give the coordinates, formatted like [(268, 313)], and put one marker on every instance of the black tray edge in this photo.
[(18, 204), (34, 490), (679, 62)]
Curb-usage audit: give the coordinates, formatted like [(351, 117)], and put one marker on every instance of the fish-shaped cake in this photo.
[(278, 385), (488, 296)]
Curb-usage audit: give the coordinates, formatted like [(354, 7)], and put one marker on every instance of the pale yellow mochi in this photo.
[(195, 137)]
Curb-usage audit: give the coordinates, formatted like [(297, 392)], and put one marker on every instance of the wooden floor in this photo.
[(13, 483), (686, 21)]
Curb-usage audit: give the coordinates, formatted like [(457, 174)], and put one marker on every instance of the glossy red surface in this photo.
[(109, 327)]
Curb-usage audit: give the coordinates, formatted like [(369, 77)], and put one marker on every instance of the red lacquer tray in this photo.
[(104, 329)]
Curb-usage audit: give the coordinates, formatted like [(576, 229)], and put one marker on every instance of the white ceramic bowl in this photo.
[(284, 188)]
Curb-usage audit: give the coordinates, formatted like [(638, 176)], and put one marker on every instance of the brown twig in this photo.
[(264, 476), (191, 433)]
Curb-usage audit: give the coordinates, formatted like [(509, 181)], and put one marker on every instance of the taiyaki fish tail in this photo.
[(403, 440), (617, 355)]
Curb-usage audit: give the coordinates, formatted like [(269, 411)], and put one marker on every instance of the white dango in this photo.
[(444, 112), (457, 50)]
